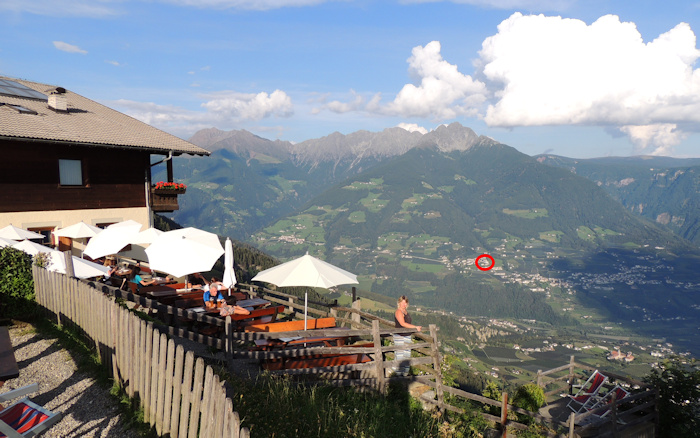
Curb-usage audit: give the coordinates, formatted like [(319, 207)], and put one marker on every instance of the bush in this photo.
[(16, 284), (529, 397), (678, 382)]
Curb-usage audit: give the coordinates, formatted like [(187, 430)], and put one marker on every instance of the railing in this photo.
[(622, 416), (179, 394)]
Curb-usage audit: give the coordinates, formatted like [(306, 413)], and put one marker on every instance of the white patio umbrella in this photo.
[(184, 251), (6, 242), (81, 230), (306, 271), (229, 279), (33, 248), (146, 236), (112, 239), (57, 262), (15, 233)]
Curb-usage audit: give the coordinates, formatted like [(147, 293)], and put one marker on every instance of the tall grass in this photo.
[(277, 407)]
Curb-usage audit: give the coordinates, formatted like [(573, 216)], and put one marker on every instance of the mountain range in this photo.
[(409, 213)]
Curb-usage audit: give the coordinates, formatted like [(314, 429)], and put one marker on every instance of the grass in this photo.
[(277, 407)]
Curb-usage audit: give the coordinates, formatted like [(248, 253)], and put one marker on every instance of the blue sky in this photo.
[(569, 77)]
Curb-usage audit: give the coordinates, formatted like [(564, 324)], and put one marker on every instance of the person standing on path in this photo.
[(403, 319)]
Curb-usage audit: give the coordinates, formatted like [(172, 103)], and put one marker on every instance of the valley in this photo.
[(567, 255)]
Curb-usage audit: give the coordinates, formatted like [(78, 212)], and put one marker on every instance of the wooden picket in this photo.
[(180, 395)]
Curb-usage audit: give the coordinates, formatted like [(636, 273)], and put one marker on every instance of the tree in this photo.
[(678, 383), (16, 284)]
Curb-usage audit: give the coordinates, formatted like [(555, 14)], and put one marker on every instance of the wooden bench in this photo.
[(257, 316), (291, 326)]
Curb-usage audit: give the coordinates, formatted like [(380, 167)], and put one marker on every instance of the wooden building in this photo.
[(66, 158)]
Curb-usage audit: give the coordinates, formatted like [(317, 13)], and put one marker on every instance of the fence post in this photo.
[(435, 353), (572, 425), (539, 378), (357, 305), (68, 257), (613, 416), (504, 414), (378, 357), (571, 375)]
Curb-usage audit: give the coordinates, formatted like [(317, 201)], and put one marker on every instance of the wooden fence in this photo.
[(180, 395), (148, 374)]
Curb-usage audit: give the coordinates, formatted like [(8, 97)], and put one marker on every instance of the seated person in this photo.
[(213, 298), (140, 282), (197, 281)]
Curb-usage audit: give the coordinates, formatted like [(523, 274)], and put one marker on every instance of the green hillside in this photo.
[(415, 224), (662, 189)]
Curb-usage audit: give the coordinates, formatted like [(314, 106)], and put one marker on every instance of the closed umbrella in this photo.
[(112, 239), (306, 271), (15, 233), (184, 251), (229, 279)]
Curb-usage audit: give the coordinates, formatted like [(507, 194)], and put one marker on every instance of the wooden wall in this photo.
[(29, 179)]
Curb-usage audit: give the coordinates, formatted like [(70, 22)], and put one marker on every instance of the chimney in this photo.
[(58, 101)]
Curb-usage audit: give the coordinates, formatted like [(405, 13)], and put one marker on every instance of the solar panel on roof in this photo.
[(12, 88)]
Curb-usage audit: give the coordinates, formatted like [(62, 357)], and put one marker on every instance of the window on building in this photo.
[(44, 231), (70, 172)]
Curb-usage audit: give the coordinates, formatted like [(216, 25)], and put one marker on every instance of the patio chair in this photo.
[(24, 418), (587, 395), (618, 393)]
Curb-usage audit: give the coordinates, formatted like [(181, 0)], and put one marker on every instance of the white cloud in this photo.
[(114, 63), (442, 91), (556, 71), (662, 137), (336, 106), (224, 110), (70, 48), (412, 127), (250, 106)]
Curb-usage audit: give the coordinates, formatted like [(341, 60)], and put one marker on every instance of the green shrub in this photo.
[(529, 397), (678, 382), (16, 284)]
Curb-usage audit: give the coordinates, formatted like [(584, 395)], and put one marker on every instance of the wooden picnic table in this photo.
[(266, 344), (8, 363), (252, 303)]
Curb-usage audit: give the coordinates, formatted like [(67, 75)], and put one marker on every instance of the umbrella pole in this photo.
[(306, 305)]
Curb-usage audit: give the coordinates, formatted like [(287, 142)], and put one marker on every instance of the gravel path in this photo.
[(88, 409)]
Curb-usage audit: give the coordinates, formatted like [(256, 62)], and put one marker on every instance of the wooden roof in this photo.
[(84, 122)]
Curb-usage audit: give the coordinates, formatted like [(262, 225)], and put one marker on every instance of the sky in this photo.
[(577, 78)]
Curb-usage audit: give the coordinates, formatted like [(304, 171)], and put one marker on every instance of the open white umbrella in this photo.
[(229, 279), (15, 233), (146, 236), (57, 262), (306, 271), (6, 242), (81, 230), (33, 248), (112, 239), (184, 251)]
